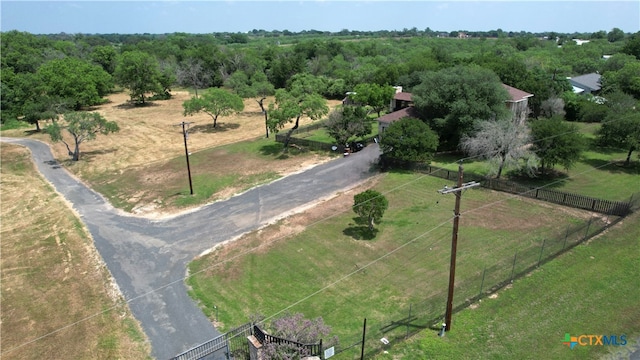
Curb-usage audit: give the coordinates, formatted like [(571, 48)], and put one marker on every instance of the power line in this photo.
[(316, 222)]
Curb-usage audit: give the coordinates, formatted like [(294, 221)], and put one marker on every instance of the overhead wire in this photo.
[(242, 253)]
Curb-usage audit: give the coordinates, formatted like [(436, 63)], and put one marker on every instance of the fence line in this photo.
[(429, 313), (602, 206), (234, 340)]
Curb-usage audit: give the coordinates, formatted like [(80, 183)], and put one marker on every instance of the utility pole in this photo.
[(185, 126), (454, 239)]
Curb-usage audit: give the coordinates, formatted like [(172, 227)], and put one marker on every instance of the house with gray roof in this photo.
[(586, 84)]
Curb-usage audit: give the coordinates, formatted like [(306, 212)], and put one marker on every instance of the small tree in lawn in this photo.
[(556, 141), (214, 102), (623, 131), (370, 205), (83, 126)]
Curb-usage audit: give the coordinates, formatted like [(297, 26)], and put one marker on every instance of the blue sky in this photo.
[(127, 17)]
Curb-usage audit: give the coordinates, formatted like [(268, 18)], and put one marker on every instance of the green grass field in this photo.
[(592, 175), (593, 289), (337, 270)]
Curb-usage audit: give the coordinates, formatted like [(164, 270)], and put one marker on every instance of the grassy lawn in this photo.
[(591, 176), (336, 269), (321, 134), (57, 298), (593, 289)]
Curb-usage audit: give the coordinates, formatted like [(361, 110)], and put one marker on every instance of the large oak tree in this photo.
[(452, 100), (409, 139), (300, 99), (556, 142), (621, 130), (214, 102), (140, 73), (347, 122), (82, 126)]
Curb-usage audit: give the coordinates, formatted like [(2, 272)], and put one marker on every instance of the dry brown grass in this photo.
[(149, 135), (149, 138), (58, 301)]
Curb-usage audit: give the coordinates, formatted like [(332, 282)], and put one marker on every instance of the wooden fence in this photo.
[(609, 207)]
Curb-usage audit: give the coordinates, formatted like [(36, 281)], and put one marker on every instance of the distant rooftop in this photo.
[(403, 96), (397, 115), (590, 82), (516, 95)]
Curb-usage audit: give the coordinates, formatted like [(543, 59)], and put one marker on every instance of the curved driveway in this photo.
[(148, 258)]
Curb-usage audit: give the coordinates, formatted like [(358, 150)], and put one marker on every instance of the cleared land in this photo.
[(142, 168), (58, 301)]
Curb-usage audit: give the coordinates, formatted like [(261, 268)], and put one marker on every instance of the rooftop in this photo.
[(516, 94), (397, 115), (588, 81)]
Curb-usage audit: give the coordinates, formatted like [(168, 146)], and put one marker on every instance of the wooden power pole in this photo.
[(454, 239), (185, 134)]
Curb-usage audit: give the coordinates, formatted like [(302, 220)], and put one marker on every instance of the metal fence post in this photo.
[(408, 321), (587, 232), (513, 267), (482, 282), (541, 250), (566, 235)]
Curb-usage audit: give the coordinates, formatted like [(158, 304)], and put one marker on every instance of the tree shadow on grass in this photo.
[(360, 230), (615, 167), (209, 129), (32, 132), (552, 178), (135, 105), (89, 156), (276, 149), (271, 149)]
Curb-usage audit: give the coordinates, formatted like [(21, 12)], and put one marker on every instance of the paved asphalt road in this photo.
[(148, 258)]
